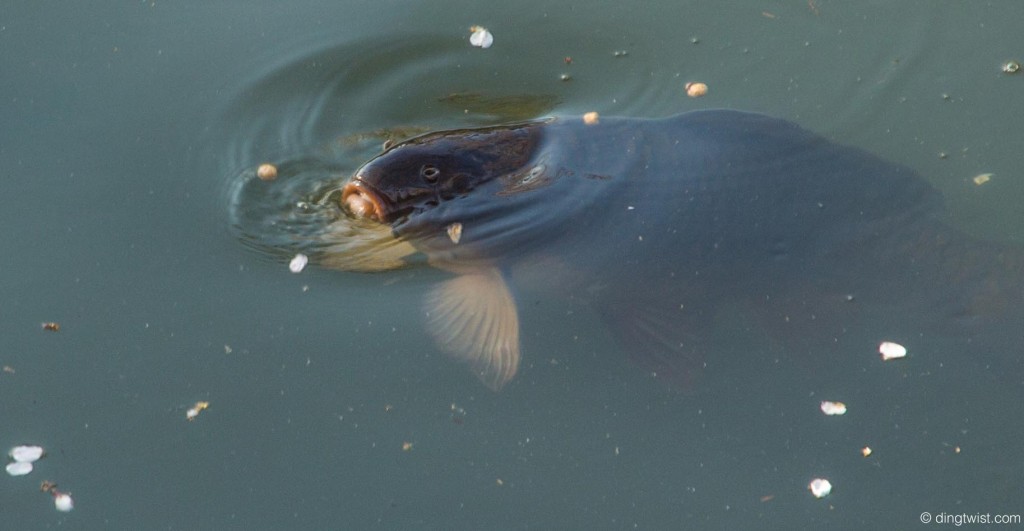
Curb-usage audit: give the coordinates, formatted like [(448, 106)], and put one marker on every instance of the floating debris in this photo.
[(458, 413), (590, 118), (565, 77), (298, 263), (833, 408), (696, 90), (455, 232), (481, 38), (982, 178), (266, 172), (195, 410), (891, 351), (1011, 67), (51, 327), (19, 468), (620, 53), (61, 500), (820, 487), (406, 446), (866, 451), (26, 454)]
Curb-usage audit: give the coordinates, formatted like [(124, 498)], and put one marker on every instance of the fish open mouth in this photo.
[(362, 202)]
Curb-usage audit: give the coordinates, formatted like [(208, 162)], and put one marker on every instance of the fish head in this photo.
[(433, 169)]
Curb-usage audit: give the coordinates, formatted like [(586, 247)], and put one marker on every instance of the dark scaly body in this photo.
[(655, 223)]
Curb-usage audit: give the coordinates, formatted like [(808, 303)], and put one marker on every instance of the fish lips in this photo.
[(363, 201)]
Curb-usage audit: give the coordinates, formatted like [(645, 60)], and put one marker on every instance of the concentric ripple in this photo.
[(318, 115)]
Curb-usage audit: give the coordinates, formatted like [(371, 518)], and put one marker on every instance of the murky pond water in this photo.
[(133, 219)]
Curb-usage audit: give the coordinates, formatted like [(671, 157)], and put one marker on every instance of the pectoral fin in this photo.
[(473, 317)]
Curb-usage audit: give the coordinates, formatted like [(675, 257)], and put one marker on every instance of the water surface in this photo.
[(130, 130)]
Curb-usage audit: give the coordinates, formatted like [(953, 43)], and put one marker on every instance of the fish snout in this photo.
[(362, 202)]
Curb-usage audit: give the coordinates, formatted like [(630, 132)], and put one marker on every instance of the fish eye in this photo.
[(430, 173)]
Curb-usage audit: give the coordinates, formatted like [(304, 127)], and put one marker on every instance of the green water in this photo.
[(127, 124)]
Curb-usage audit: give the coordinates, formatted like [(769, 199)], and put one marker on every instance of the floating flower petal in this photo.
[(481, 38), (26, 454), (891, 351), (19, 468), (298, 263), (833, 408), (820, 487), (194, 411), (63, 502)]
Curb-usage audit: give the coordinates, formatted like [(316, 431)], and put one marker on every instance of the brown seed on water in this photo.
[(266, 172), (696, 90), (51, 327)]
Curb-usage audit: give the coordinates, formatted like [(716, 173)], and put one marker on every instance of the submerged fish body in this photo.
[(655, 223)]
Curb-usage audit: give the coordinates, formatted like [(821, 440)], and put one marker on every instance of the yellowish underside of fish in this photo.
[(357, 245)]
